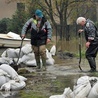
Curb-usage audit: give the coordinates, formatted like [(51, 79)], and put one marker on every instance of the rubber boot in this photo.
[(92, 63), (38, 63), (44, 64)]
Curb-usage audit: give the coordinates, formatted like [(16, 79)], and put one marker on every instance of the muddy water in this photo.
[(44, 84)]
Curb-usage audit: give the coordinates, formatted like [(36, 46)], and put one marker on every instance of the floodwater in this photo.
[(64, 73)]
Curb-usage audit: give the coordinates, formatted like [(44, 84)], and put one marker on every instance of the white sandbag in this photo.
[(48, 54), (13, 74), (11, 53), (18, 85), (67, 94), (4, 77), (53, 50), (94, 92), (50, 61), (77, 88), (31, 63), (84, 92), (82, 80), (13, 35), (13, 85), (26, 49), (2, 80), (22, 78), (15, 61), (17, 53), (3, 73), (7, 86), (6, 60), (28, 57), (3, 61)]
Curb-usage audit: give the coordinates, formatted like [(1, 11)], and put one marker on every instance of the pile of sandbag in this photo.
[(86, 87), (26, 56), (9, 79)]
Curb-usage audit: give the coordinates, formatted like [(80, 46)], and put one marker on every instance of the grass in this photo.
[(30, 94)]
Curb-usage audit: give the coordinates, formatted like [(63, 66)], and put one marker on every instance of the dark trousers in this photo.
[(91, 53)]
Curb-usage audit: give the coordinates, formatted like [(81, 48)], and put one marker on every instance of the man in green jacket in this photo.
[(41, 33)]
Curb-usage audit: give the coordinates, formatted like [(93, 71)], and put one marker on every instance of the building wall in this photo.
[(7, 10)]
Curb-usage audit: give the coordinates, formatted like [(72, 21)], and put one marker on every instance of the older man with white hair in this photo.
[(91, 36)]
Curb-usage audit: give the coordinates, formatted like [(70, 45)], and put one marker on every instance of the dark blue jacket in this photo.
[(90, 30), (38, 37)]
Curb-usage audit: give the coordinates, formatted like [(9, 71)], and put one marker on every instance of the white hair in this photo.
[(80, 19)]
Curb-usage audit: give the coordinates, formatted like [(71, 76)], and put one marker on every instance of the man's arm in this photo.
[(26, 27), (49, 30)]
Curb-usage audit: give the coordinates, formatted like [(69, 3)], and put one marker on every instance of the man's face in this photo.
[(82, 23), (37, 18)]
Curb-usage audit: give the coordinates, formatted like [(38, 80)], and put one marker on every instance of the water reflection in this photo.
[(8, 94), (62, 82)]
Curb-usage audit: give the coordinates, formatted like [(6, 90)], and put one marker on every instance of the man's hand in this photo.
[(87, 44), (22, 36), (48, 40), (80, 30)]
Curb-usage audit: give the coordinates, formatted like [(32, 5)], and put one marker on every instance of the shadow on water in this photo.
[(8, 94)]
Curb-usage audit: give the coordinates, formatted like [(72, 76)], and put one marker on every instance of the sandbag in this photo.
[(53, 50), (50, 61), (22, 78), (17, 53), (11, 53), (13, 74), (83, 80), (26, 49), (66, 94), (13, 85), (48, 54), (6, 60), (2, 80), (31, 63), (18, 85), (28, 57), (94, 92), (4, 77), (84, 91), (78, 88)]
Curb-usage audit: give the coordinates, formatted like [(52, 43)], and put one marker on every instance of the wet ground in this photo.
[(64, 73)]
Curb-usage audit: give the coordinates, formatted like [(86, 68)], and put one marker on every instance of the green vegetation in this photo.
[(30, 94)]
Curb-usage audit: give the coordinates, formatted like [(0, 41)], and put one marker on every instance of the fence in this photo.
[(67, 38)]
